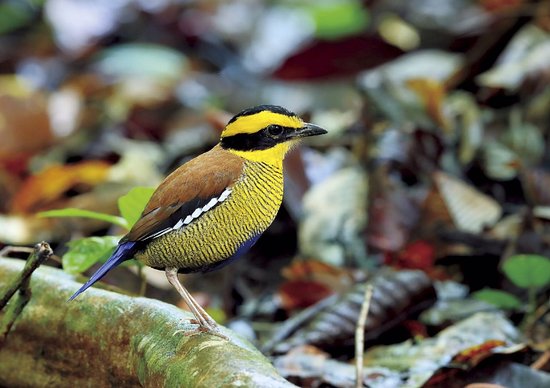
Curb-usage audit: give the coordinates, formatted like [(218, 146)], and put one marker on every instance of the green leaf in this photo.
[(132, 204), (498, 298), (528, 271), (85, 252), (336, 19), (14, 15), (72, 212)]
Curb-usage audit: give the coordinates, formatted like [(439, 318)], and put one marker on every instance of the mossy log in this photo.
[(106, 339)]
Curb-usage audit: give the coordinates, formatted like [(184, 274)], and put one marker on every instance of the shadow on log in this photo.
[(107, 339)]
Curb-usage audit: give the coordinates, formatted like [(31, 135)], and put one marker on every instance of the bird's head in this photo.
[(265, 133)]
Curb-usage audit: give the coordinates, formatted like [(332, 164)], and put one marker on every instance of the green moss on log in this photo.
[(107, 339)]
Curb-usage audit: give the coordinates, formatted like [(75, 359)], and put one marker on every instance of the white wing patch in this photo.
[(178, 225), (210, 204), (193, 216), (224, 195), (199, 211)]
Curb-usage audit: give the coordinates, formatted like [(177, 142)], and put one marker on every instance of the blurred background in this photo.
[(438, 115)]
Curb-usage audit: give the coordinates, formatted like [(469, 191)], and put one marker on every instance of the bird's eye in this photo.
[(274, 130)]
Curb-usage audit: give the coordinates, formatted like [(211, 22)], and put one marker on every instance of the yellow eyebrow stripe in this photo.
[(255, 122)]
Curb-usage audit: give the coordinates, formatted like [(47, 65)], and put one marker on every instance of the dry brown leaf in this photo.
[(337, 278), (299, 294), (24, 121), (536, 183), (49, 185), (508, 227), (392, 213), (396, 296), (435, 211), (470, 209), (432, 94), (309, 281)]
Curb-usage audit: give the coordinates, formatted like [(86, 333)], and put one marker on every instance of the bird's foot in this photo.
[(207, 329)]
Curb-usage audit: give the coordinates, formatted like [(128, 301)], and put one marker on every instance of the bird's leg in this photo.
[(206, 322)]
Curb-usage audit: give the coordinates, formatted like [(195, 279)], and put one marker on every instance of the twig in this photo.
[(10, 249), (542, 361), (360, 336), (14, 308), (40, 253)]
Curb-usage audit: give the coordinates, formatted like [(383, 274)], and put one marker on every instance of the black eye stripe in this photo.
[(261, 140)]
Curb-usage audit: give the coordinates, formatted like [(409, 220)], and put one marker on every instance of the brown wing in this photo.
[(189, 187)]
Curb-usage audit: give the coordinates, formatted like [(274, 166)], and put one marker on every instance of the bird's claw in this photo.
[(211, 329)]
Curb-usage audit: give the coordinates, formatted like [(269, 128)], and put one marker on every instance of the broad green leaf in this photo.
[(72, 212), (14, 15), (335, 19), (132, 204), (528, 270), (498, 298), (85, 252)]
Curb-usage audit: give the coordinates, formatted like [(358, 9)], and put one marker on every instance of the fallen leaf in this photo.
[(396, 295), (526, 55), (334, 218), (536, 183), (337, 58), (497, 6), (310, 367), (42, 189), (24, 120), (470, 209), (432, 93), (462, 345), (299, 294), (392, 213), (499, 162), (336, 278), (416, 255)]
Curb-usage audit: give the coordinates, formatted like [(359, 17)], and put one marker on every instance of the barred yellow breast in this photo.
[(251, 205)]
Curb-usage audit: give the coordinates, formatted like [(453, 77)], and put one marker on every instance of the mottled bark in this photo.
[(107, 339)]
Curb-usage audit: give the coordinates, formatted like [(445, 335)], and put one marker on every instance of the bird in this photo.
[(213, 208)]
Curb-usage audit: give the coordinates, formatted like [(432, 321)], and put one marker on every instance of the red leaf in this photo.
[(416, 255), (472, 356), (296, 294), (345, 57)]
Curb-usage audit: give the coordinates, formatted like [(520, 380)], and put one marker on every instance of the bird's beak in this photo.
[(309, 130)]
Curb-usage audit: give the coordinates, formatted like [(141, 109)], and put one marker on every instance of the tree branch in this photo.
[(106, 339)]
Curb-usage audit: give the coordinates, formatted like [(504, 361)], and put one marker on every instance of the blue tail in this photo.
[(123, 252)]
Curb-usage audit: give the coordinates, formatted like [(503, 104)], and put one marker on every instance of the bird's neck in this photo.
[(273, 156)]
